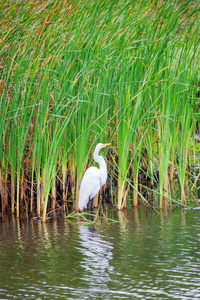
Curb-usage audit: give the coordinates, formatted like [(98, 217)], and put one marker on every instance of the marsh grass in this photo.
[(76, 73)]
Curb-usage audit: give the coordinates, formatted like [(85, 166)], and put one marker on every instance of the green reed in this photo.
[(77, 73)]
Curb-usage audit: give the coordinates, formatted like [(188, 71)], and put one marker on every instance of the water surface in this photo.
[(142, 256)]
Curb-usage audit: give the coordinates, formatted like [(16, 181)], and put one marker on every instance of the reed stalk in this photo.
[(74, 74)]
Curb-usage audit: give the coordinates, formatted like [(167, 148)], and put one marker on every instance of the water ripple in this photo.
[(138, 259)]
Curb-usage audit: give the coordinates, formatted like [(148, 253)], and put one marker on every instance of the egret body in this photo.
[(93, 179)]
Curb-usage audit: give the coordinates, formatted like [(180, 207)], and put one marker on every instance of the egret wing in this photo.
[(90, 185)]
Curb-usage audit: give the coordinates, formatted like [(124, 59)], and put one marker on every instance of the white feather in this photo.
[(92, 180)]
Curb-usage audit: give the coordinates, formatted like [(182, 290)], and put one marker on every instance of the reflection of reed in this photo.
[(183, 222), (136, 216), (96, 254), (122, 215)]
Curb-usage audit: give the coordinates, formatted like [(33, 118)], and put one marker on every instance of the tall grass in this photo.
[(76, 73)]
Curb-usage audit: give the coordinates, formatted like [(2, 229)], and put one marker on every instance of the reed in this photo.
[(76, 73)]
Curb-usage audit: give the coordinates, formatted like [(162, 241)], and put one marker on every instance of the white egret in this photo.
[(93, 179)]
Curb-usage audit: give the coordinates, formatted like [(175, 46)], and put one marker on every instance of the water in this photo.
[(143, 256)]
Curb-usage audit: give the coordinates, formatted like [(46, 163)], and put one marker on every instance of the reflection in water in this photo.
[(145, 255), (122, 221), (96, 255)]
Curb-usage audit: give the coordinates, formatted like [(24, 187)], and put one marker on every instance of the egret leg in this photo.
[(88, 205), (92, 204)]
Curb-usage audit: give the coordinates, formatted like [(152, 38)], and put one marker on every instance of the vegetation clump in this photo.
[(74, 73)]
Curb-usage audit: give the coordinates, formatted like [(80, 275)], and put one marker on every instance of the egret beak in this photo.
[(104, 145)]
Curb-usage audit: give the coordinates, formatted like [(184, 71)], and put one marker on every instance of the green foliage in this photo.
[(76, 73)]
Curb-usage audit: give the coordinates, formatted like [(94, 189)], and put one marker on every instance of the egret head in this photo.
[(99, 147)]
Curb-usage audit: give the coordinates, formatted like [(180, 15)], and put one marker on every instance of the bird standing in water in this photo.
[(93, 179)]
